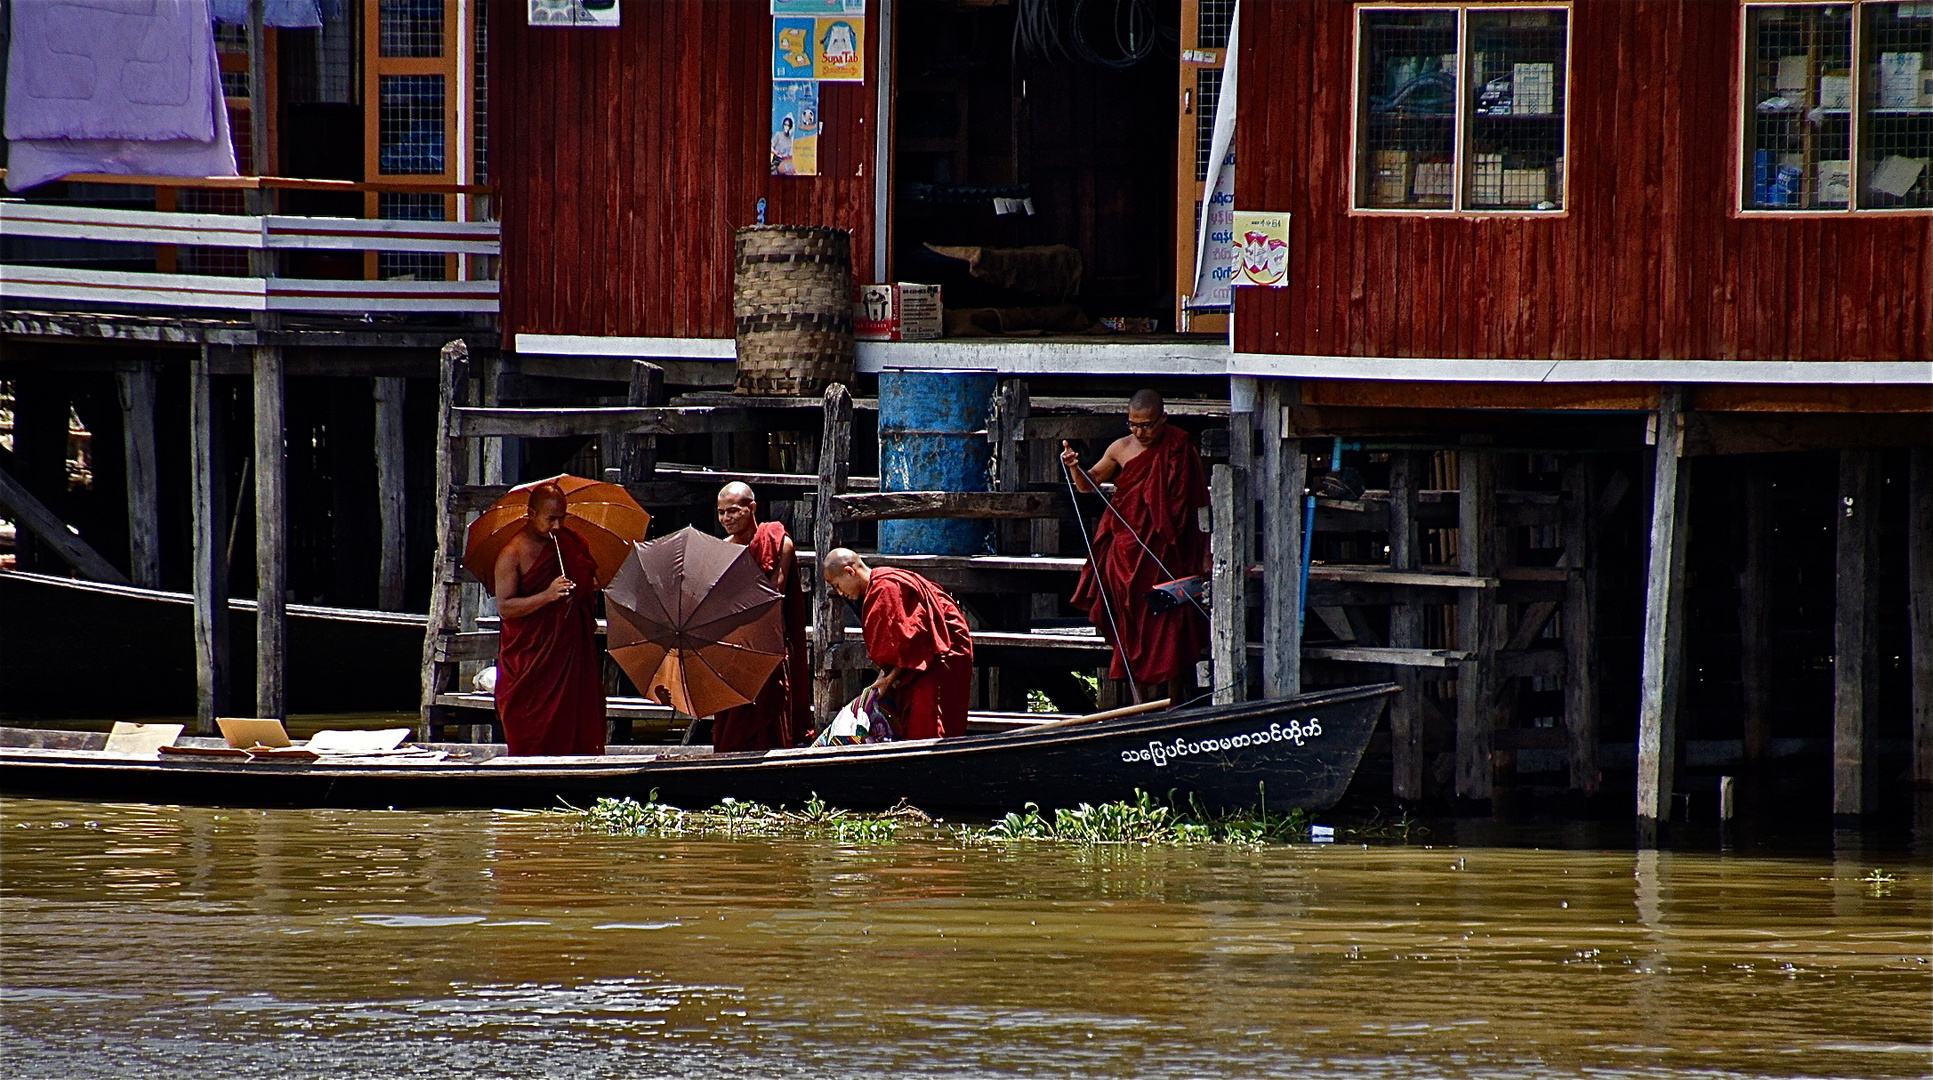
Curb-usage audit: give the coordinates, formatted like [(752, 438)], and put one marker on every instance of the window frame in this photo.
[(1741, 130), (1459, 133)]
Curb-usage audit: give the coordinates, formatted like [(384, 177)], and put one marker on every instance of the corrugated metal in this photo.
[(1650, 262), (626, 157)]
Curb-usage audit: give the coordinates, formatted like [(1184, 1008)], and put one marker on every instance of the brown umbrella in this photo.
[(604, 515), (695, 623)]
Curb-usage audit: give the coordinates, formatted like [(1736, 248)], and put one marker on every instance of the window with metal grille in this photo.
[(1208, 91), (1838, 107), (1462, 108), (411, 28), (1216, 20), (480, 107), (410, 126), (416, 265)]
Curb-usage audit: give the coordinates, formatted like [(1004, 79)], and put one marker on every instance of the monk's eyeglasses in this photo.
[(1148, 426)]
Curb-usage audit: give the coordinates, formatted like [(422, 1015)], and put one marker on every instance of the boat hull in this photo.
[(1299, 753)]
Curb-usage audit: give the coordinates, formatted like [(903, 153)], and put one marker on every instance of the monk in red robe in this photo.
[(1159, 485), (550, 687), (782, 712), (919, 639)]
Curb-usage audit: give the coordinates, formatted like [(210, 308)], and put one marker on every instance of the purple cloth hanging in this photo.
[(114, 86), (291, 14)]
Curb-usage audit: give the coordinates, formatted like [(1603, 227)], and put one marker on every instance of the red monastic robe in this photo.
[(1158, 492), (913, 624), (778, 717), (550, 686)]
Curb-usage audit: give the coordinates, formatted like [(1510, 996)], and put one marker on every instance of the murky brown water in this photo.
[(147, 941)]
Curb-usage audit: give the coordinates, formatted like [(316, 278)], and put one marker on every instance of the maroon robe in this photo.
[(780, 714), (912, 624), (1158, 492), (550, 684)]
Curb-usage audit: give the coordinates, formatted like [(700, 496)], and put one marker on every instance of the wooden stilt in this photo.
[(1755, 614), (1664, 616), (209, 496), (1283, 478), (1579, 617), (452, 468), (1478, 632), (271, 536), (639, 460), (391, 509), (136, 386), (1919, 614), (1405, 628), (828, 607), (1012, 403), (1855, 668), (1230, 541)]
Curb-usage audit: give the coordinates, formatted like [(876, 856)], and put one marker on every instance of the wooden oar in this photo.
[(1126, 710)]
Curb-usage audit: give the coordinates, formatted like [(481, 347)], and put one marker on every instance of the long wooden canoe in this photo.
[(1298, 753)]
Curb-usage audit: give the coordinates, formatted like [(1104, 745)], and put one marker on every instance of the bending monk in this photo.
[(782, 711), (1159, 485), (550, 687), (919, 639)]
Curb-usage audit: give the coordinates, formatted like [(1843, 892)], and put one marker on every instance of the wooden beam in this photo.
[(556, 423), (1661, 646), (391, 492), (1478, 630), (1919, 604), (828, 607), (271, 536), (1011, 404), (1283, 477), (1397, 657), (1579, 627), (1855, 665), (1406, 476), (136, 386), (1755, 613), (895, 505), (1231, 510), (209, 511), (34, 516), (452, 458), (638, 461), (1775, 433)]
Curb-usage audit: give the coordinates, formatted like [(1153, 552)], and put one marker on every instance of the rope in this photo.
[(1100, 582), (1109, 505)]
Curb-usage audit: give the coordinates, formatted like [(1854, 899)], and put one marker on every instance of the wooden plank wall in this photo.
[(626, 158), (1650, 262)]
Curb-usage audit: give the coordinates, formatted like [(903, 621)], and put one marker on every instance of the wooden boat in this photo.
[(1297, 753), (80, 648)]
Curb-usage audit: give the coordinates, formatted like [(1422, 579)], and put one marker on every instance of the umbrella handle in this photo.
[(558, 546)]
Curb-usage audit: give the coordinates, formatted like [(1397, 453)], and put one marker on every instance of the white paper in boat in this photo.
[(354, 741)]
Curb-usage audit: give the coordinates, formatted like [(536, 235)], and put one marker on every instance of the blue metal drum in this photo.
[(933, 437)]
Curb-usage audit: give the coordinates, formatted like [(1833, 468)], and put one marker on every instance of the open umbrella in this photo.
[(605, 515), (694, 622)]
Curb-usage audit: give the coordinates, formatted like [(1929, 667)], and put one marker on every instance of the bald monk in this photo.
[(918, 638), (1159, 484), (782, 712), (550, 687)]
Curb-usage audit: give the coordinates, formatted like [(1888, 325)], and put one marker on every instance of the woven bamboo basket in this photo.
[(792, 309)]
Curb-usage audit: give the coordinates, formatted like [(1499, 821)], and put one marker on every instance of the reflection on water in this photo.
[(163, 941)]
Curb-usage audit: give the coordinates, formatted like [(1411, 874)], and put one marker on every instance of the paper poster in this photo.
[(819, 7), (1216, 265), (572, 12), (1263, 243), (793, 48), (841, 50), (795, 129)]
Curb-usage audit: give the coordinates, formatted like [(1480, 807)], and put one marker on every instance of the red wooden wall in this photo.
[(625, 158), (1650, 262)]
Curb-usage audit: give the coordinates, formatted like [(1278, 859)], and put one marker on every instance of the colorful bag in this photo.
[(865, 719)]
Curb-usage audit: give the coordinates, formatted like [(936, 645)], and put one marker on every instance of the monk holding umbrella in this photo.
[(545, 549)]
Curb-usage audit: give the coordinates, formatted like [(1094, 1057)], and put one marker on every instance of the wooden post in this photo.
[(1243, 393), (1661, 646), (446, 579), (1755, 614), (639, 460), (1405, 627), (1478, 631), (1579, 626), (391, 503), (828, 607), (271, 536), (1919, 608), (209, 487), (1011, 404), (137, 393), (1855, 674), (1284, 475), (1231, 510)]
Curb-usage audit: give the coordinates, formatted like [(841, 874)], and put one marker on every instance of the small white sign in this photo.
[(573, 12)]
